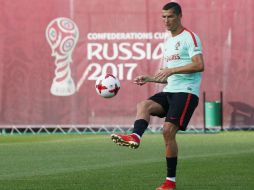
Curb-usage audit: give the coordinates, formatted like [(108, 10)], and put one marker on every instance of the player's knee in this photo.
[(169, 131), (143, 106)]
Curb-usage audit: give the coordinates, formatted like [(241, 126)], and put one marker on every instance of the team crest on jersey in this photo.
[(177, 46)]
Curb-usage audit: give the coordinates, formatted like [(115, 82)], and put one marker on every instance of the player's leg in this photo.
[(181, 108), (155, 105), (144, 110), (171, 153)]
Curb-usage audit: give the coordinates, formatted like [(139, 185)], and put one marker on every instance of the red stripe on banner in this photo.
[(193, 37), (185, 109)]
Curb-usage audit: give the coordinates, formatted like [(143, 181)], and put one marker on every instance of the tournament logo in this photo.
[(107, 52), (62, 35)]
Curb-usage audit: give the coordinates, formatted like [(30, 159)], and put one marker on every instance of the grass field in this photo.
[(223, 161)]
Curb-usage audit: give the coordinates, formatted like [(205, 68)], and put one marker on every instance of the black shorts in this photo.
[(178, 107)]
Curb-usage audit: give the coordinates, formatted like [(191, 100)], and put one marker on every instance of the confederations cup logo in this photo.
[(62, 35)]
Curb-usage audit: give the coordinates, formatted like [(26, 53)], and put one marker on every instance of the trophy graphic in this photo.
[(62, 35)]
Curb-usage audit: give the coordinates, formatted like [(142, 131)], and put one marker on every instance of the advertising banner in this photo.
[(53, 51)]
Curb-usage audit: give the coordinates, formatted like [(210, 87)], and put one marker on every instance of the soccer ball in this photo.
[(107, 85)]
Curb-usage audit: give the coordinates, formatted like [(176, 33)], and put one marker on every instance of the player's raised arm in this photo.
[(197, 65)]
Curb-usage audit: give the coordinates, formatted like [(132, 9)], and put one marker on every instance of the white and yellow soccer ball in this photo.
[(107, 85)]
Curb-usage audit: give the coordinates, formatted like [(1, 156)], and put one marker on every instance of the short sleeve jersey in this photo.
[(178, 51)]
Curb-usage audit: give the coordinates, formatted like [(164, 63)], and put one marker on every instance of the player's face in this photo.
[(171, 20)]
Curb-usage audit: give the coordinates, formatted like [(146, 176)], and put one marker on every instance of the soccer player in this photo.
[(183, 64)]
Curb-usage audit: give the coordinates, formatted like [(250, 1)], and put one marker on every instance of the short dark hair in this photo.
[(173, 5)]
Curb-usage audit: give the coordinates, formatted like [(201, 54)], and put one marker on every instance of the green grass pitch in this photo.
[(223, 161)]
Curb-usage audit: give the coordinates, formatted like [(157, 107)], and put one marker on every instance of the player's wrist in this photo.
[(150, 79), (173, 71)]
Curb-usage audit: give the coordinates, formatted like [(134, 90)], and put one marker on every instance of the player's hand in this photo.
[(141, 80), (163, 74)]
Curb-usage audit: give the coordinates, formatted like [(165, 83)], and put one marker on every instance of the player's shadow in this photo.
[(242, 115)]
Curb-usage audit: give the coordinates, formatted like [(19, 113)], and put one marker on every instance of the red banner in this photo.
[(51, 57)]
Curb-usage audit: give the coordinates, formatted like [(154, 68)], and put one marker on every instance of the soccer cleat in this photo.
[(131, 141), (167, 185)]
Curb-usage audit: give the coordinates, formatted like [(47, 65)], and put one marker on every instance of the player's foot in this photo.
[(131, 141), (167, 185)]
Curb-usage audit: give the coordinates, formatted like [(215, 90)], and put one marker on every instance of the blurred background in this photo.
[(52, 51)]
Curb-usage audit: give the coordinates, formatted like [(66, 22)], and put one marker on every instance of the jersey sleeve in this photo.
[(194, 45)]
